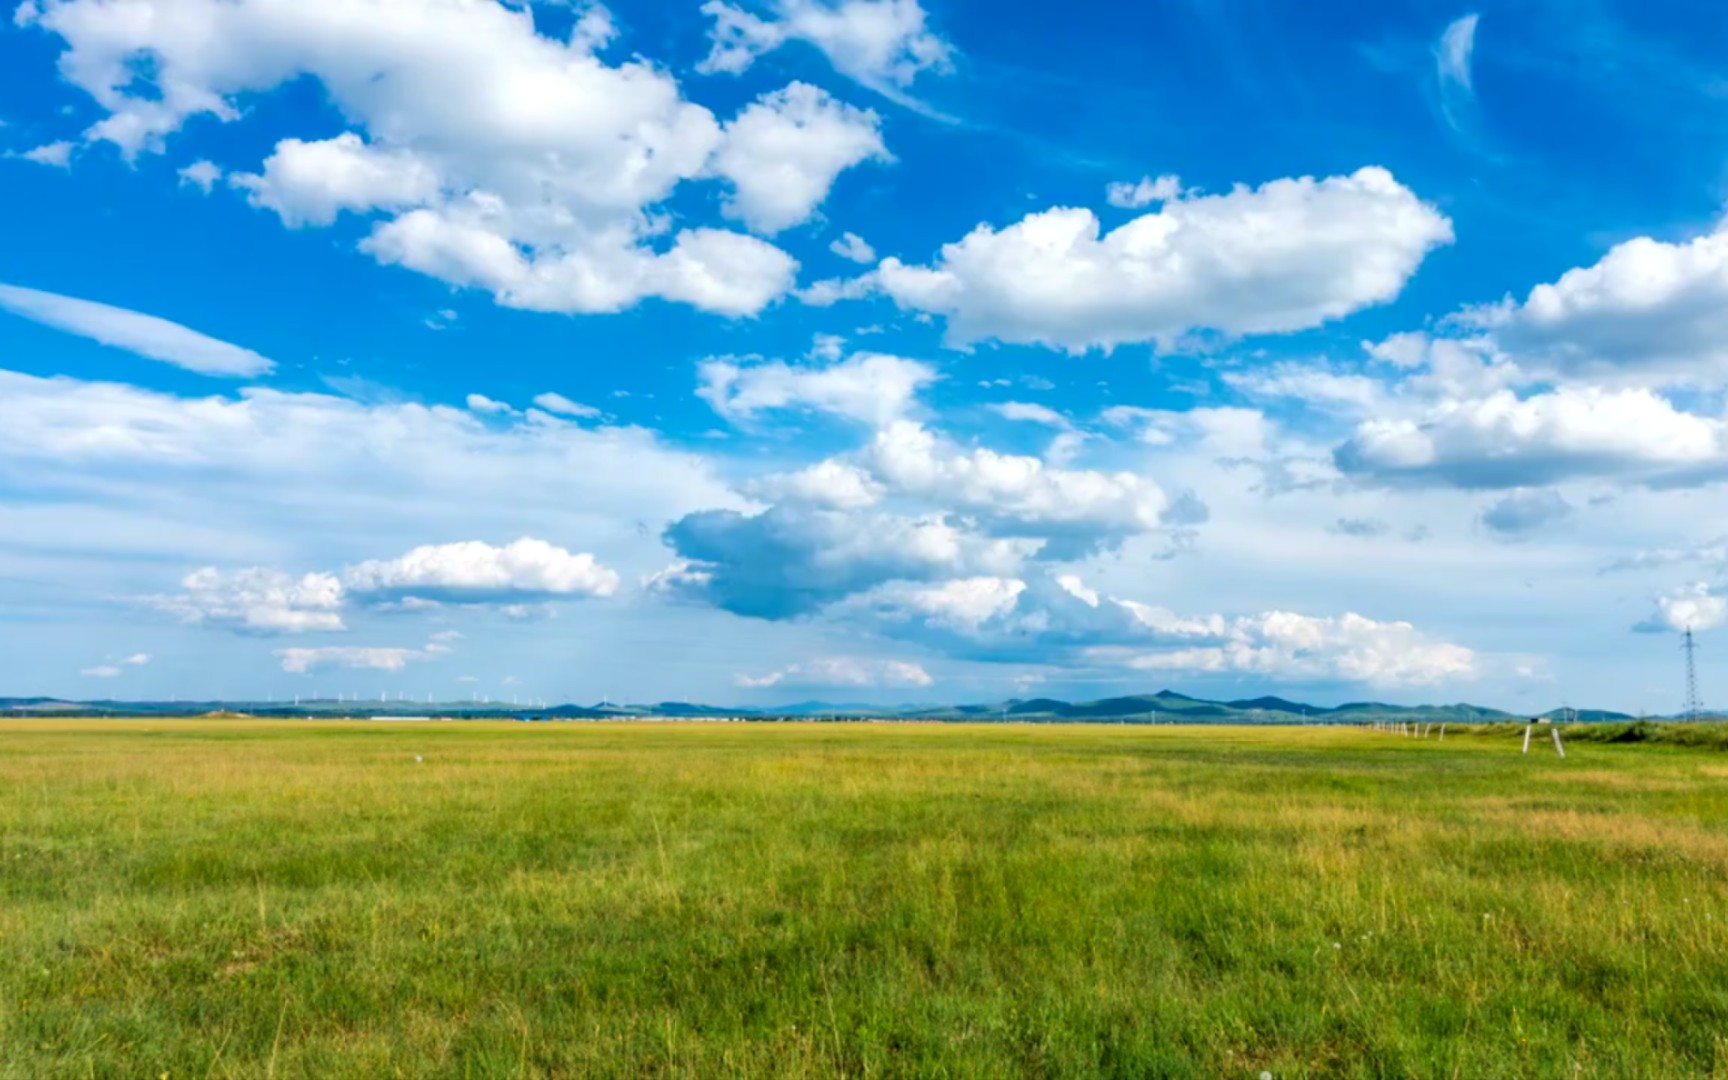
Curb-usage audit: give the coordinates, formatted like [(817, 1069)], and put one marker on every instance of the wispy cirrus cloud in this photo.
[(146, 335), (1454, 54)]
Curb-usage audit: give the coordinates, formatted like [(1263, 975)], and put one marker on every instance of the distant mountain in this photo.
[(1270, 704), (1164, 707)]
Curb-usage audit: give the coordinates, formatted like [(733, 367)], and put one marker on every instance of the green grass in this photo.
[(259, 899)]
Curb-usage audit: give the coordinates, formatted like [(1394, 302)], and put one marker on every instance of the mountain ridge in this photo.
[(1165, 706)]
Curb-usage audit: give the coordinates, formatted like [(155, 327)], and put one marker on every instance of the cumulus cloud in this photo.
[(308, 480), (484, 153), (474, 572), (842, 672), (1695, 607), (1058, 619), (310, 183), (146, 335), (1018, 495), (1037, 618), (1504, 441), (1137, 196), (868, 387), (791, 560), (1288, 255), (882, 44), (202, 175), (257, 600), (486, 406), (785, 151), (1348, 648), (1526, 511), (841, 527), (1648, 312), (837, 485), (853, 248), (300, 661)]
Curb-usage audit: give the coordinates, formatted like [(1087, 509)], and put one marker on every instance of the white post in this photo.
[(1558, 748), (1528, 728), (1442, 732)]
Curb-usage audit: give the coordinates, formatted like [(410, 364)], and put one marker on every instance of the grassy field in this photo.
[(251, 899)]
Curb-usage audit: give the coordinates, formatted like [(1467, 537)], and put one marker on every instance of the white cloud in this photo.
[(310, 183), (868, 387), (843, 672), (1286, 256), (1711, 553), (1060, 620), (563, 406), (1021, 495), (882, 44), (55, 154), (830, 291), (853, 248), (837, 485), (1316, 386), (489, 156), (1043, 618), (1648, 312), (315, 480), (711, 269), (1452, 55), (1695, 607), (358, 657), (202, 175), (1503, 441), (827, 347), (952, 513), (114, 671), (1137, 196), (794, 560), (257, 600), (1526, 511), (1031, 413), (476, 572), (1348, 648), (146, 335), (1446, 367), (486, 406), (785, 151), (963, 603)]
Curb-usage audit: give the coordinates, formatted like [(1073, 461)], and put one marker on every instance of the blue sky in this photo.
[(866, 350)]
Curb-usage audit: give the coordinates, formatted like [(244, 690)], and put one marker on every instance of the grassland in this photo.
[(250, 899)]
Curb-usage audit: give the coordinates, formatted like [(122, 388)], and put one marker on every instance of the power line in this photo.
[(1693, 706)]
